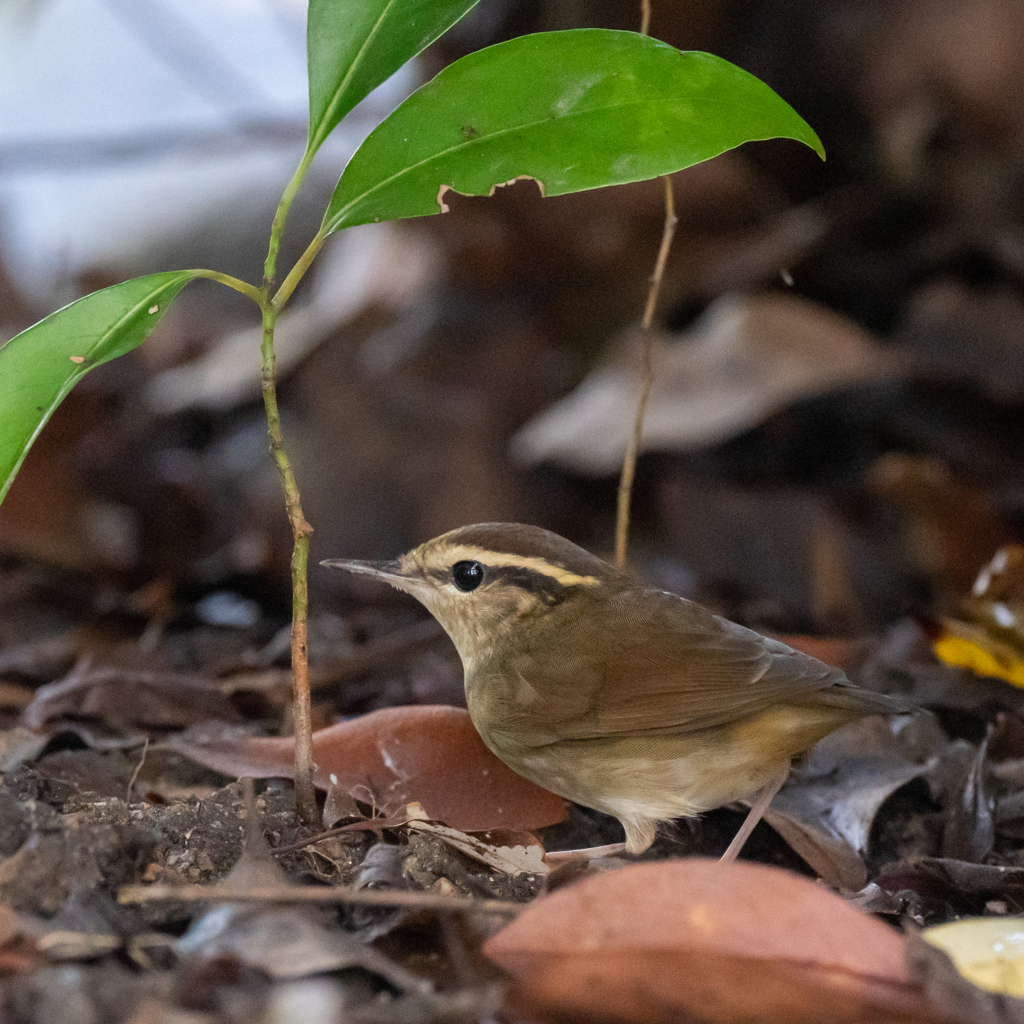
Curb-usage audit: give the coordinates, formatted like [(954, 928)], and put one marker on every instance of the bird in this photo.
[(619, 696)]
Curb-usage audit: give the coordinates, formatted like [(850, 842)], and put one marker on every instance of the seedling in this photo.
[(570, 110)]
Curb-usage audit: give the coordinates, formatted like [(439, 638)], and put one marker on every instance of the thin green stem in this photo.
[(281, 216), (295, 274), (305, 796), (232, 282)]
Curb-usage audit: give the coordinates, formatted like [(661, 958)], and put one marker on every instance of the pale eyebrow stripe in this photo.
[(468, 552)]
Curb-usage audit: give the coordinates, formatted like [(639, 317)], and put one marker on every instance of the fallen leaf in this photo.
[(944, 986), (987, 636), (747, 358), (670, 940), (19, 745), (130, 696), (963, 888), (431, 754), (827, 807), (970, 827), (988, 951), (661, 986)]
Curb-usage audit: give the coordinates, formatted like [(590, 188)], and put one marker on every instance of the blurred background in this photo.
[(836, 428)]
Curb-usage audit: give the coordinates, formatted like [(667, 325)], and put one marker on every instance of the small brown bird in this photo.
[(621, 697)]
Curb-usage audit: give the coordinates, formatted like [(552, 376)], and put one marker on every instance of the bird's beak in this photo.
[(387, 572)]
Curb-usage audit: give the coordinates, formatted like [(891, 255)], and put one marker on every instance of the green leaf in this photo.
[(574, 110), (42, 364), (354, 45)]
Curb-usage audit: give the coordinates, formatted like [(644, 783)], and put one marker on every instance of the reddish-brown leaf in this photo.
[(668, 986), (715, 942), (431, 754)]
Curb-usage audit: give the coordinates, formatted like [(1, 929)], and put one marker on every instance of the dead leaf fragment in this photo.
[(513, 853), (389, 758)]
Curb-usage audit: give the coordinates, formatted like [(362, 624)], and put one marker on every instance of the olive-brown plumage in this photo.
[(621, 697)]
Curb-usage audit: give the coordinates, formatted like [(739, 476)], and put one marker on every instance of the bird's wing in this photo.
[(661, 664)]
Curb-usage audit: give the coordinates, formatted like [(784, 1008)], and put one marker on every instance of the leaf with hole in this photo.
[(573, 110), (42, 364)]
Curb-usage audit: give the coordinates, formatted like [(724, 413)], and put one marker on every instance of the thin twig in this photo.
[(645, 16), (629, 460), (312, 894), (135, 774)]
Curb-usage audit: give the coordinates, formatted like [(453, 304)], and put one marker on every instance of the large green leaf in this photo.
[(42, 364), (354, 45), (574, 110)]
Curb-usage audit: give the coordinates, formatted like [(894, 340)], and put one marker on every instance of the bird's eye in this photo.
[(467, 575)]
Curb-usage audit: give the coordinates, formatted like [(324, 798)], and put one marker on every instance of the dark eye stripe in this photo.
[(545, 587)]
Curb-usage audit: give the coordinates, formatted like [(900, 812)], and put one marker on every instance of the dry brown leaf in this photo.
[(431, 754), (746, 359), (826, 810), (654, 941), (130, 696)]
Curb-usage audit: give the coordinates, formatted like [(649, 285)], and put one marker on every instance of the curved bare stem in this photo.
[(629, 460)]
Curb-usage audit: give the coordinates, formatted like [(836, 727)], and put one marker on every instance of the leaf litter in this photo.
[(899, 464)]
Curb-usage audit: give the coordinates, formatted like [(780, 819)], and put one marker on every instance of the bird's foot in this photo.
[(557, 858)]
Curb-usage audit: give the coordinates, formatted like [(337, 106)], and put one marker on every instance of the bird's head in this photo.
[(480, 582)]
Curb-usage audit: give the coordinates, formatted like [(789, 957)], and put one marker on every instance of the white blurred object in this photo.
[(124, 120), (372, 263), (745, 359)]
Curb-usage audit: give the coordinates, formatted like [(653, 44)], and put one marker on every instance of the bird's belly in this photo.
[(653, 777)]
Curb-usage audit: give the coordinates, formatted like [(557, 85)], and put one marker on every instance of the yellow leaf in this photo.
[(987, 951)]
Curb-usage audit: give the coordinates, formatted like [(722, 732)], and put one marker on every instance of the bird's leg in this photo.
[(757, 809), (556, 858)]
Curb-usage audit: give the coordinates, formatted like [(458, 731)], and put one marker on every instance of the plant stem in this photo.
[(280, 216), (295, 274), (305, 796), (232, 282), (629, 460)]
